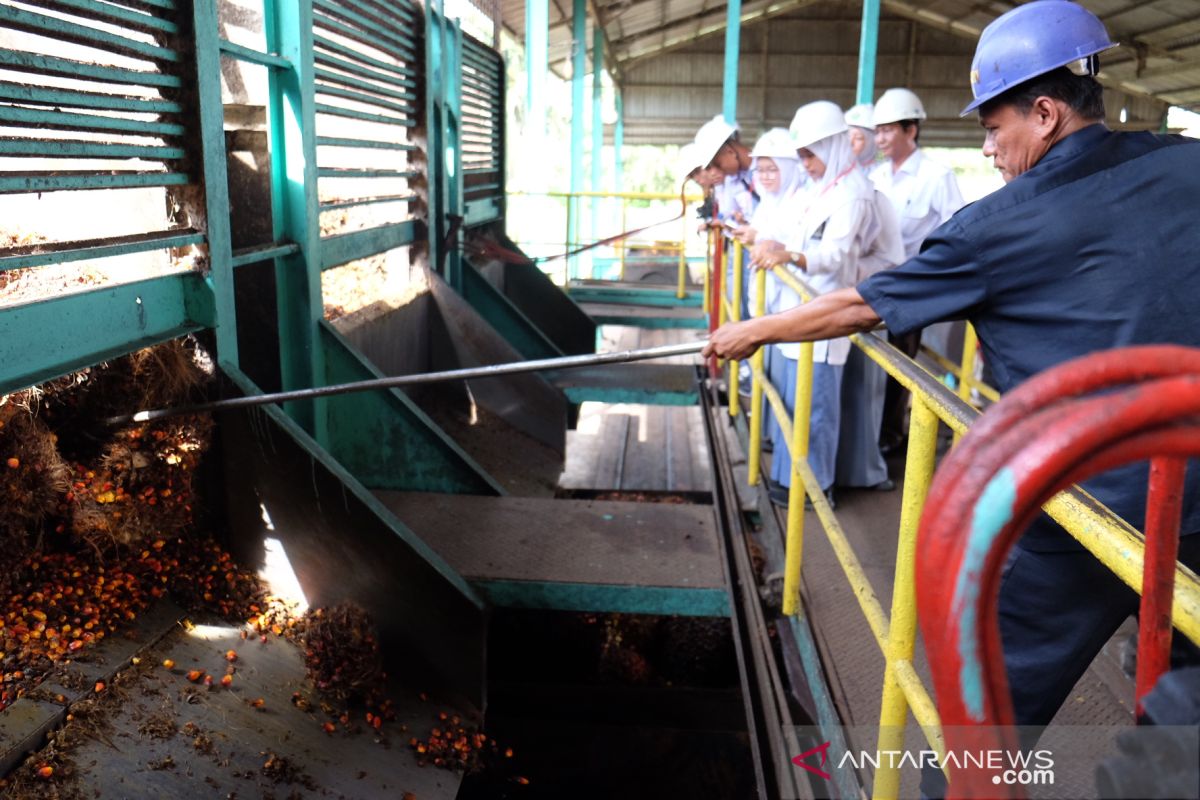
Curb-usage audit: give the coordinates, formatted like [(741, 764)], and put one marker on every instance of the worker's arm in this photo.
[(829, 316)]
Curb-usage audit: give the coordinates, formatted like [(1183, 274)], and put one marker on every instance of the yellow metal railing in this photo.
[(622, 246), (1113, 541)]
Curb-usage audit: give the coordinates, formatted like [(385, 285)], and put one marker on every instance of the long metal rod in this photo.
[(468, 373)]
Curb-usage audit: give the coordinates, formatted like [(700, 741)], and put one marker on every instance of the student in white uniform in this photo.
[(832, 223), (861, 119), (778, 176), (925, 195), (860, 463), (717, 143)]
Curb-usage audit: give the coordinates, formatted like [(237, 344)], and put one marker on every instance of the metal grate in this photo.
[(482, 117), (368, 56), (90, 100)]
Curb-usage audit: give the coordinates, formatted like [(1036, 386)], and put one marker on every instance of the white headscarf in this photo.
[(791, 178), (837, 155), (866, 159)]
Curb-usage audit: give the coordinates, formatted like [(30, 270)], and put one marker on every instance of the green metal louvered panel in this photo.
[(482, 131), (368, 58), (94, 122), (121, 109)]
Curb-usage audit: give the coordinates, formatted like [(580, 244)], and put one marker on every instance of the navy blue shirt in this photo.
[(1097, 246)]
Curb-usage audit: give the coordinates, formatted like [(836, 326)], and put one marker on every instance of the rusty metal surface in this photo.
[(566, 541)]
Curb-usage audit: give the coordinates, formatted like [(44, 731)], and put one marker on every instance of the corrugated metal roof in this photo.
[(1159, 57)]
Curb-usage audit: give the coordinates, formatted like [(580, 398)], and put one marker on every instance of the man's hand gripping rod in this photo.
[(469, 373)]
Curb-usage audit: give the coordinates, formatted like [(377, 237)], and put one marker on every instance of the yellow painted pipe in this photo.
[(681, 291), (735, 314), (757, 411), (708, 266), (622, 243), (794, 542), (902, 624)]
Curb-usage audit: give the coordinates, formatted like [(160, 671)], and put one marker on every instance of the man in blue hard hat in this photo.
[(1092, 244)]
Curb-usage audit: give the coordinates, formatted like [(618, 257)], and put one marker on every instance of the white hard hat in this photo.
[(861, 116), (775, 143), (815, 121), (896, 105), (689, 161), (711, 136)]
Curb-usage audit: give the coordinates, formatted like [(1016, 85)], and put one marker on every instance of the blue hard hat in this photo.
[(1031, 40)]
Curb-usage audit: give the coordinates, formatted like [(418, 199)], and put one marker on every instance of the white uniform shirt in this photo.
[(924, 194), (735, 193), (830, 234)]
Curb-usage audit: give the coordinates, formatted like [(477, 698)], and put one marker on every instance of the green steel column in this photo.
[(619, 143), (216, 179), (597, 126), (867, 45), (733, 46), (578, 110), (452, 151), (537, 65), (435, 134), (292, 122)]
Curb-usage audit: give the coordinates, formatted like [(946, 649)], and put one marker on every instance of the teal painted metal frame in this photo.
[(537, 66), (249, 387), (51, 338), (619, 295), (291, 116), (216, 179), (578, 115), (733, 44), (867, 46), (632, 396), (385, 440), (48, 339), (619, 143), (597, 125), (499, 312), (605, 598), (650, 321)]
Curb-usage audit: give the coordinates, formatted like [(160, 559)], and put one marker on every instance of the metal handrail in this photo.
[(1113, 541)]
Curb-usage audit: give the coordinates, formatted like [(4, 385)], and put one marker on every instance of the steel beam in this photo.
[(733, 35), (597, 124), (216, 179), (291, 111), (578, 67), (537, 65), (619, 142), (868, 44)]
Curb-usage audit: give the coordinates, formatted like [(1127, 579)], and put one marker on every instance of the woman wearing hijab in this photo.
[(778, 176), (832, 223), (860, 120), (864, 383)]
